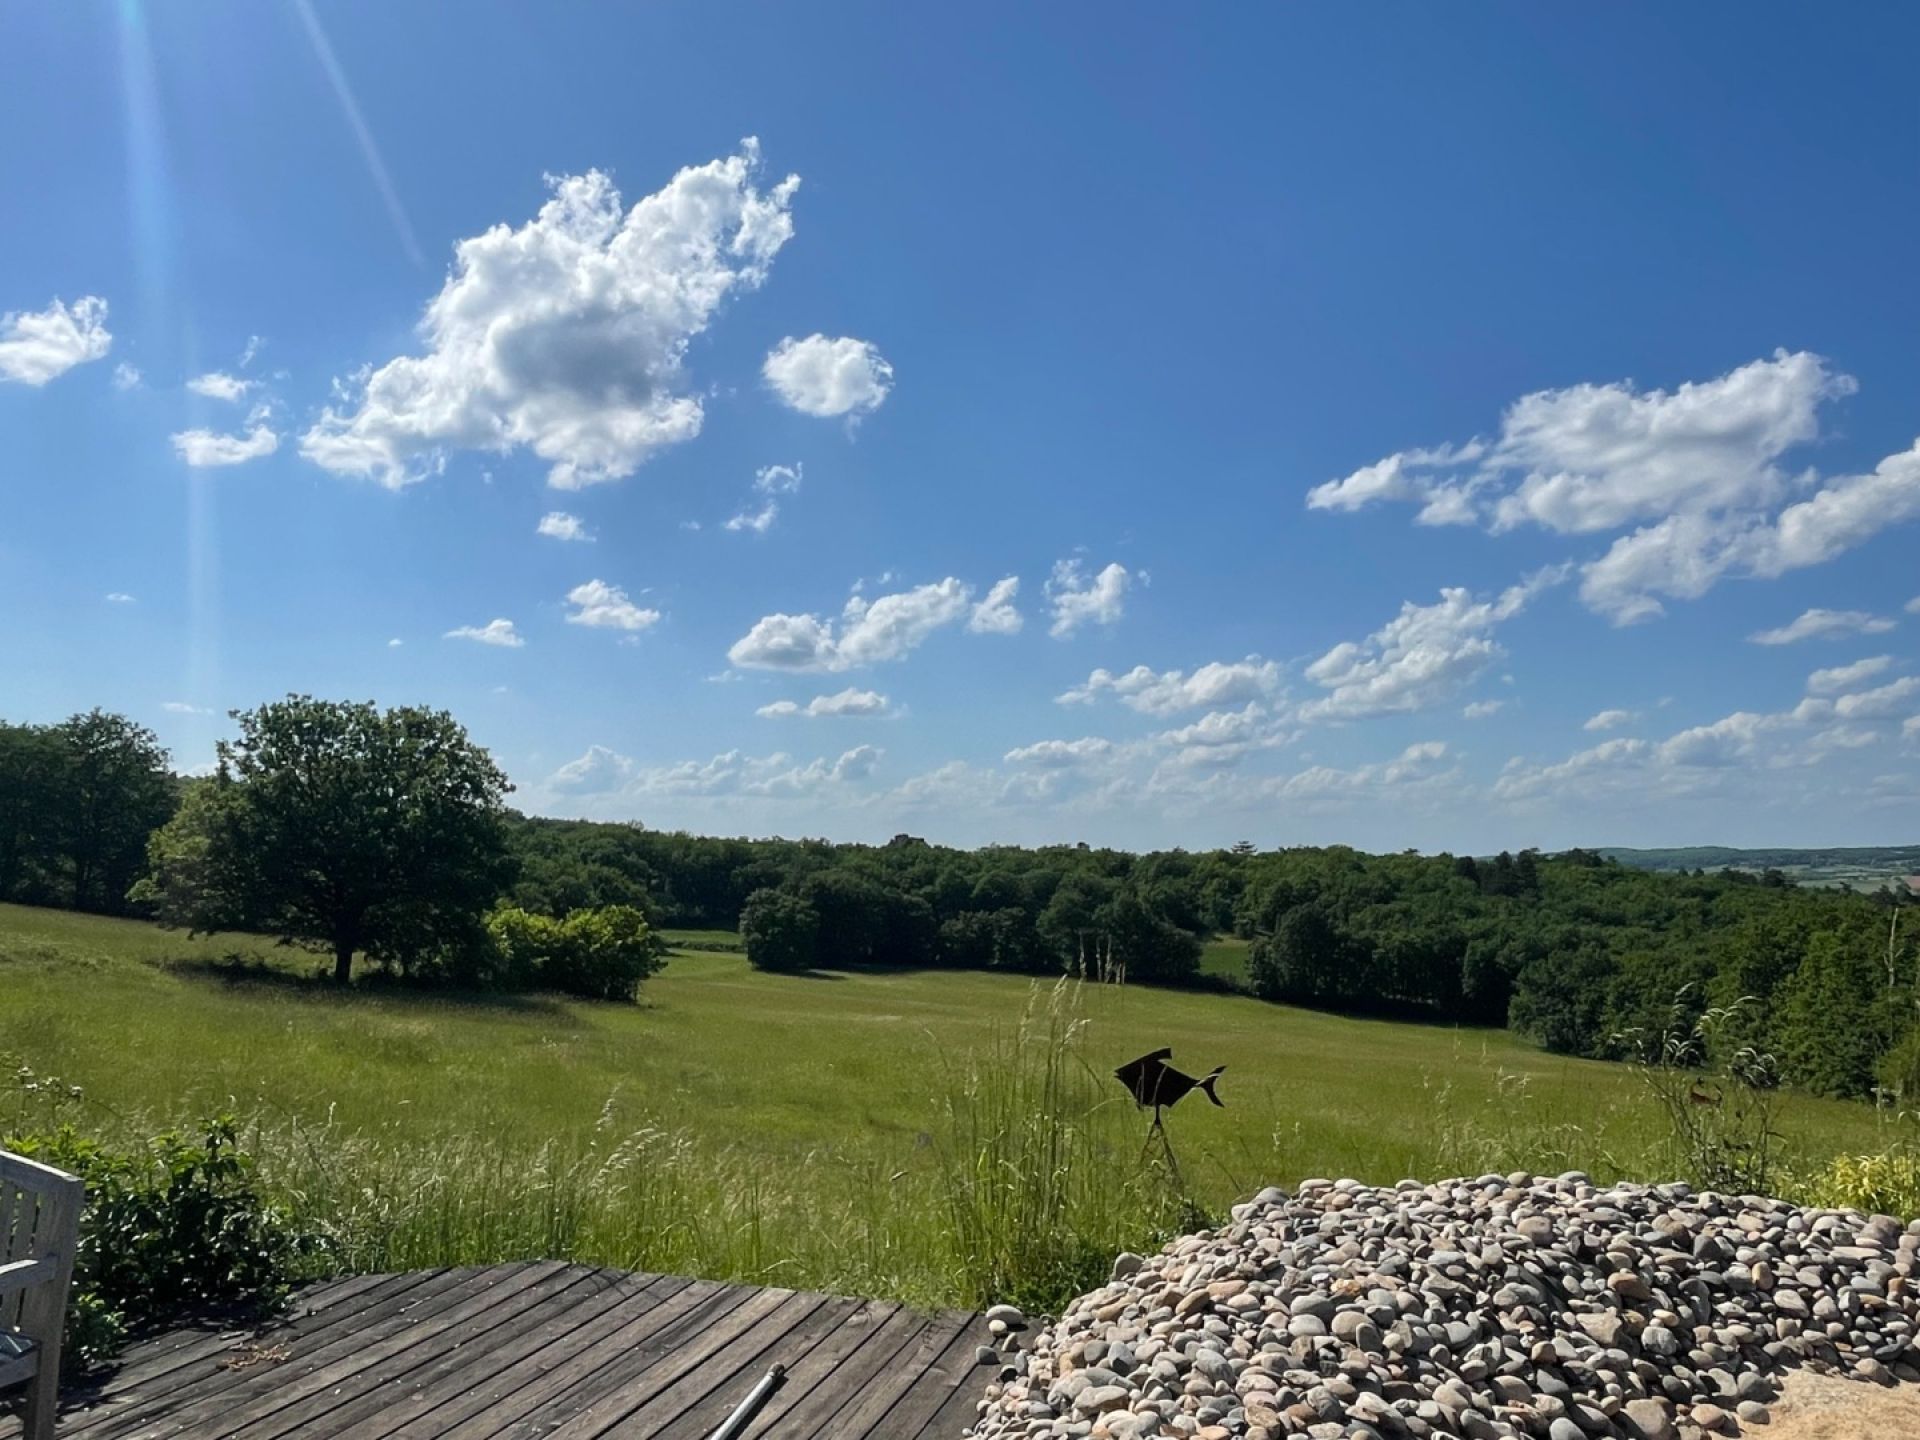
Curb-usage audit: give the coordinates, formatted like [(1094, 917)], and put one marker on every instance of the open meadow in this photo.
[(884, 1133)]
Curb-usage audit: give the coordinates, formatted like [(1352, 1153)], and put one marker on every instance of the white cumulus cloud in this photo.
[(212, 447), (559, 525), (218, 385), (996, 614), (867, 633), (597, 772), (1167, 692), (606, 607), (1078, 599), (1058, 754), (1837, 678), (39, 345), (850, 701), (1610, 720), (1422, 657), (567, 335), (827, 377), (494, 632), (1818, 624)]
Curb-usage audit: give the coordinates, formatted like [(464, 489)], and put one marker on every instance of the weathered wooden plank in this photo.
[(120, 1411), (654, 1331), (807, 1415), (616, 1395), (495, 1364), (795, 1349), (219, 1385), (314, 1400), (652, 1401), (827, 1368), (163, 1355), (956, 1369), (877, 1398), (957, 1414)]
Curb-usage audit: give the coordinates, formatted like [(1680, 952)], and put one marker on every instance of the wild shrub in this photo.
[(1883, 1184), (171, 1227), (1720, 1103), (599, 954), (781, 931)]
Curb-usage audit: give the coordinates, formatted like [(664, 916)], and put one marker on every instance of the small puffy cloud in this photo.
[(181, 707), (867, 633), (126, 377), (1167, 692), (1838, 678), (250, 350), (1886, 702), (494, 632), (211, 447), (850, 701), (1913, 606), (758, 521), (1481, 709), (1222, 729), (1610, 720), (827, 377), (779, 479), (1060, 754), (40, 345), (996, 615), (597, 772), (769, 482), (1820, 624), (737, 773), (568, 335), (1079, 600), (119, 597), (559, 525), (395, 643), (607, 607), (1423, 656), (218, 385)]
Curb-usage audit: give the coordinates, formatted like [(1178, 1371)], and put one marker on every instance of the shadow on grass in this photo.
[(249, 972)]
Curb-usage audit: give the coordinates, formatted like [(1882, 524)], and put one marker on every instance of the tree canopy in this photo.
[(340, 825)]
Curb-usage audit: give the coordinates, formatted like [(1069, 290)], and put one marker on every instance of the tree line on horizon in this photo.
[(385, 836)]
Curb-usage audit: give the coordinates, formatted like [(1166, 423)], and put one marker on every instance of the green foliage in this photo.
[(341, 826), (781, 931), (1721, 1104), (175, 1226), (601, 953), (77, 802), (1887, 1183)]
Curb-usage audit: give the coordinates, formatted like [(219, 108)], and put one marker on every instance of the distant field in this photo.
[(704, 939), (1862, 867), (801, 1118), (1226, 957)]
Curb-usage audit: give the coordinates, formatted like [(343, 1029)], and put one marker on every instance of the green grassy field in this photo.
[(813, 1130)]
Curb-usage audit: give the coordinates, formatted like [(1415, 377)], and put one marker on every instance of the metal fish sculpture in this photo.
[(1152, 1081)]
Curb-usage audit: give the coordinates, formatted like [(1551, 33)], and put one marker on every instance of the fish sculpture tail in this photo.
[(1207, 1085)]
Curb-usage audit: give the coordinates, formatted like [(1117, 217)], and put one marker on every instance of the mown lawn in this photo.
[(825, 1099)]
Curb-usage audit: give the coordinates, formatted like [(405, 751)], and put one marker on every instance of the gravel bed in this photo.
[(1506, 1305)]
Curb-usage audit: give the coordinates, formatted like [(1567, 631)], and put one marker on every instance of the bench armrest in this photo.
[(26, 1274)]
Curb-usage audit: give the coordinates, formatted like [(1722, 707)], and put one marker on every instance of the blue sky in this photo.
[(1398, 432)]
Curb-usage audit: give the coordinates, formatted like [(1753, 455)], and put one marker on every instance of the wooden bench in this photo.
[(39, 1231)]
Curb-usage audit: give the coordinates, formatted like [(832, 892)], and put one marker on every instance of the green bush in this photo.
[(1884, 1184), (172, 1228), (781, 931), (599, 954)]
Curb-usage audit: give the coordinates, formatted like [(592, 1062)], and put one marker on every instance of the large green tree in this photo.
[(343, 826)]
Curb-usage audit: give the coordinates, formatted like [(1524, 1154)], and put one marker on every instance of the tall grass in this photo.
[(1042, 1177)]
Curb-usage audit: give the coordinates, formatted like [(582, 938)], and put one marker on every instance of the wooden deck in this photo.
[(547, 1349)]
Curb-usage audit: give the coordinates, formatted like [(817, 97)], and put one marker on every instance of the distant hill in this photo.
[(1865, 867)]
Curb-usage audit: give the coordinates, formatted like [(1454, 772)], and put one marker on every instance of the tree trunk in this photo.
[(342, 961)]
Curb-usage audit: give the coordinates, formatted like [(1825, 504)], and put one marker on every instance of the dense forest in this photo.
[(1584, 954)]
